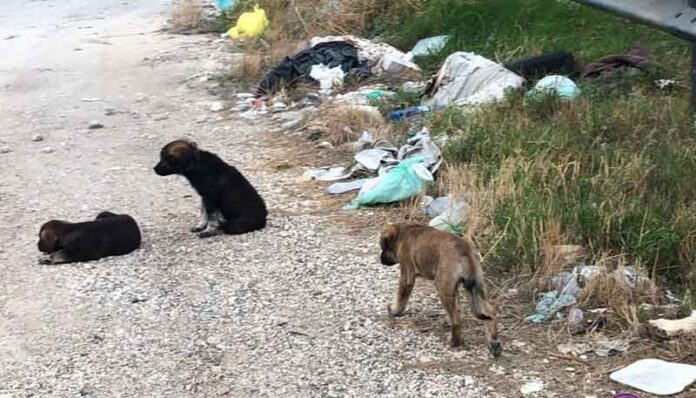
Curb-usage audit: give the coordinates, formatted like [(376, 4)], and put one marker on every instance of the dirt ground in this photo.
[(297, 310)]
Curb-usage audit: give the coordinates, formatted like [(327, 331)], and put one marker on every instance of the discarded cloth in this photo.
[(467, 79), (559, 62), (555, 85), (656, 376), (429, 46), (549, 303), (674, 327), (381, 57), (249, 24), (637, 57), (404, 181), (297, 68)]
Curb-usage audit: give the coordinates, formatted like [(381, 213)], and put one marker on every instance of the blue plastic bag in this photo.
[(225, 5), (404, 181)]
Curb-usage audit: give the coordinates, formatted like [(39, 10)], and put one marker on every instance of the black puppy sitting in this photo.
[(108, 235), (230, 203)]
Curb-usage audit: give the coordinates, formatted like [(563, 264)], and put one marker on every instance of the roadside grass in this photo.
[(611, 171), (614, 169)]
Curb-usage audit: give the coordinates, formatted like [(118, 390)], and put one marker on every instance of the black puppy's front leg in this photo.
[(55, 258), (213, 217), (204, 219)]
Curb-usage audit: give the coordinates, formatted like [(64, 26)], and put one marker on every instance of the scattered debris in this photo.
[(327, 77), (452, 219), (429, 46), (636, 58), (325, 174), (405, 180), (467, 79), (95, 124), (656, 376), (434, 207), (399, 114), (665, 84), (559, 62), (343, 187), (675, 327), (555, 85), (548, 304), (249, 24), (532, 387), (37, 138), (380, 57), (297, 69)]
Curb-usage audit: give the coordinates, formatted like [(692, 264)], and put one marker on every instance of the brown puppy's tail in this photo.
[(476, 290)]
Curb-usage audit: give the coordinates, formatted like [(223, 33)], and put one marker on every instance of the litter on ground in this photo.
[(675, 327), (656, 376), (467, 79)]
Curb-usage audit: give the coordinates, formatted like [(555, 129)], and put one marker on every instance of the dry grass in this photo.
[(186, 16), (341, 124)]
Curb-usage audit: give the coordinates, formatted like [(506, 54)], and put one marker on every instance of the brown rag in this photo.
[(636, 57)]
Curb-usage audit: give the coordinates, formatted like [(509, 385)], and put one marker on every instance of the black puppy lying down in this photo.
[(108, 235), (230, 203)]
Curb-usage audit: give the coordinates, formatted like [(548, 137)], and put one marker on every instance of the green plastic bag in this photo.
[(404, 181)]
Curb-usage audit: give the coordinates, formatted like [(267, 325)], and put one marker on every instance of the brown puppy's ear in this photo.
[(388, 237)]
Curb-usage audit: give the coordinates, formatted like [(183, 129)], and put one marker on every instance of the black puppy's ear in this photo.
[(105, 214)]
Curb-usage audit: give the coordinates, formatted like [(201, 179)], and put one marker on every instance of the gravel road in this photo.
[(295, 310)]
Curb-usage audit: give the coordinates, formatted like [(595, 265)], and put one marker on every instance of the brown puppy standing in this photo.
[(449, 261)]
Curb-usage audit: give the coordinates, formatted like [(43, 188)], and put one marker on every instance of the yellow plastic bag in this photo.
[(250, 24)]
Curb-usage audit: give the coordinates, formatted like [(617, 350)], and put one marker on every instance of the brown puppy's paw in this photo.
[(393, 312), (495, 349)]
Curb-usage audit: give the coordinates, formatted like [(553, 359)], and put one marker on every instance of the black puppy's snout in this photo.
[(162, 169)]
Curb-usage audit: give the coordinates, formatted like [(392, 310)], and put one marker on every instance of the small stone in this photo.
[(37, 138), (217, 106), (214, 340), (109, 111), (5, 149), (47, 149), (531, 387), (468, 380), (325, 144), (95, 124), (87, 391), (161, 117)]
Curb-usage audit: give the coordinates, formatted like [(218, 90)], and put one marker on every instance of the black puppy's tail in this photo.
[(476, 291)]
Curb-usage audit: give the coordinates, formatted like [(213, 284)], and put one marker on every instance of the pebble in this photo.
[(217, 106), (531, 387), (95, 124), (47, 149), (109, 111), (37, 138), (5, 149)]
